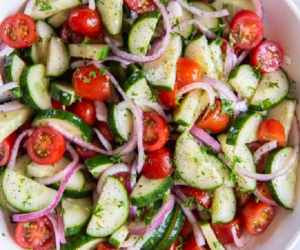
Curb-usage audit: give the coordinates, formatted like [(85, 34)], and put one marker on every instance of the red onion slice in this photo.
[(11, 106), (102, 139), (61, 225), (242, 57), (101, 111), (5, 50), (259, 9), (174, 9), (79, 64), (224, 160), (29, 7), (117, 59), (241, 106), (264, 149), (243, 241), (264, 199), (229, 60), (56, 230), (177, 190), (132, 239), (132, 176), (8, 86), (92, 4)]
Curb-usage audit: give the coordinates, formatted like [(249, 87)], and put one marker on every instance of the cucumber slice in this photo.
[(161, 74), (25, 194), (34, 87), (147, 191), (2, 198), (188, 31), (223, 206), (272, 90), (30, 53), (58, 19), (76, 213), (21, 162), (66, 120), (242, 154), (244, 80), (96, 52), (210, 236), (118, 71), (195, 166), (282, 188), (13, 68), (141, 33), (98, 164), (63, 92), (75, 184), (87, 191), (216, 52), (244, 128), (82, 241), (112, 209), (119, 236)]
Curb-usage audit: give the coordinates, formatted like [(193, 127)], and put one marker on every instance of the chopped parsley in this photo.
[(256, 73), (189, 203), (165, 2), (266, 104), (273, 85), (231, 39), (93, 73), (3, 235), (240, 37), (44, 5), (155, 94), (25, 224), (227, 107), (85, 42), (208, 131), (220, 31), (86, 80), (40, 40), (98, 210), (217, 244), (116, 158), (139, 212), (121, 204), (251, 88), (225, 5), (89, 209), (102, 71), (212, 107)]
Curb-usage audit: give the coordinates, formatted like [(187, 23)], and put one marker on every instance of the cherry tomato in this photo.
[(260, 166), (57, 105), (267, 57), (201, 196), (5, 148), (122, 177), (186, 229), (90, 84), (45, 146), (104, 130), (37, 234), (85, 154), (272, 130), (191, 244), (247, 29), (158, 164), (141, 6), (262, 187), (242, 198), (86, 110), (156, 131), (212, 119), (18, 31), (257, 217), (174, 245), (168, 98), (223, 231), (102, 246)]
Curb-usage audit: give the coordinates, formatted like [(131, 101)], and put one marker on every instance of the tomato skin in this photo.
[(69, 36), (86, 110), (242, 198), (122, 177), (247, 29), (260, 166), (85, 154), (141, 6), (158, 164), (191, 244), (174, 245), (57, 105), (262, 187), (45, 146), (168, 98), (257, 217), (38, 234), (201, 196), (94, 87), (102, 246), (156, 131), (15, 27), (6, 147), (223, 231), (268, 55), (186, 229), (104, 130), (272, 130)]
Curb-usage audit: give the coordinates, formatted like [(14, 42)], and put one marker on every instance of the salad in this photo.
[(144, 124)]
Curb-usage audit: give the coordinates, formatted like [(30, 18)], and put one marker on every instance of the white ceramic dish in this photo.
[(282, 22)]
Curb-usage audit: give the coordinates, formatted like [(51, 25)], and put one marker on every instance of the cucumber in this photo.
[(112, 209), (25, 194), (244, 80), (223, 206), (198, 50), (188, 31), (2, 198), (147, 191), (141, 33), (76, 213), (244, 128), (243, 155), (194, 165), (210, 236), (111, 13), (75, 184), (63, 92), (87, 191), (282, 188), (66, 120), (58, 59), (98, 164), (31, 54), (21, 162), (284, 113), (271, 91), (96, 52), (161, 73), (13, 68), (119, 236), (120, 123), (58, 19), (118, 71), (216, 52), (82, 241), (34, 87)]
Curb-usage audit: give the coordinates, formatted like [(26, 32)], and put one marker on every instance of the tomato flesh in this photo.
[(86, 110), (202, 197), (174, 245), (186, 229), (168, 98), (6, 147), (122, 177), (57, 105), (272, 130), (192, 244), (260, 165), (102, 246), (263, 189), (104, 130), (242, 198), (141, 6), (85, 154)]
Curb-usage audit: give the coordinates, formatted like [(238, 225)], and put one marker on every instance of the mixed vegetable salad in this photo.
[(144, 124)]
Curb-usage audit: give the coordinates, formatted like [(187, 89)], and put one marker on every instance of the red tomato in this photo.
[(186, 229), (122, 177), (5, 148), (37, 234), (168, 98), (213, 120), (102, 246), (45, 146), (158, 164), (257, 217), (18, 31), (201, 196), (247, 29), (191, 245), (267, 57), (104, 130), (242, 198), (85, 154), (264, 190), (141, 6), (86, 22), (25, 126), (156, 131), (57, 105), (260, 166), (86, 110), (90, 84), (272, 130), (223, 231), (174, 245)]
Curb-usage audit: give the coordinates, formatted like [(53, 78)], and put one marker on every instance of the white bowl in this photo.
[(282, 22)]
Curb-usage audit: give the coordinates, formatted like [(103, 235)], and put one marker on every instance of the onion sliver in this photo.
[(56, 230), (264, 149), (102, 139), (264, 199), (243, 241)]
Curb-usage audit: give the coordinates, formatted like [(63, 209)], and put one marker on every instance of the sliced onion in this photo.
[(5, 50), (8, 86), (116, 59), (264, 199), (92, 4), (11, 106), (241, 106), (79, 64), (56, 230), (177, 190), (199, 141), (139, 227), (227, 25), (29, 7), (132, 239), (264, 149), (101, 111), (61, 225), (287, 59), (295, 132), (229, 60), (259, 9), (113, 41), (131, 181), (102, 139), (224, 160), (132, 211), (242, 57), (174, 9), (243, 241)]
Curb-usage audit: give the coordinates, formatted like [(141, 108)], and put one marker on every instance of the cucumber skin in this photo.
[(7, 68), (59, 96), (74, 194), (76, 229), (112, 125), (94, 161), (136, 76), (78, 241)]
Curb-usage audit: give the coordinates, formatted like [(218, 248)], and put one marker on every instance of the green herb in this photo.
[(256, 199), (134, 94), (142, 50), (217, 244), (26, 201), (44, 5), (234, 176), (223, 56), (256, 73), (208, 131), (266, 104), (85, 42), (237, 226), (189, 203), (207, 149), (93, 73), (139, 212), (180, 239), (121, 204), (240, 37), (148, 220), (225, 5), (3, 235), (98, 225), (251, 88), (133, 177), (195, 159), (98, 209), (273, 85), (103, 71), (177, 102), (144, 157), (177, 24), (187, 3), (259, 64), (220, 31), (17, 92), (212, 107), (165, 2), (22, 180), (25, 224), (170, 128), (40, 40), (207, 213), (227, 107), (155, 94), (116, 158), (86, 80), (231, 39), (89, 209)]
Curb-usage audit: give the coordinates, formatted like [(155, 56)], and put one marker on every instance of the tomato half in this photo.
[(5, 148), (122, 177), (18, 31), (158, 164), (35, 234), (156, 131), (57, 105), (267, 57), (260, 166), (84, 153), (102, 246), (201, 196), (186, 229), (191, 244), (262, 187), (174, 245), (242, 198), (247, 29), (86, 110), (45, 146), (272, 130), (257, 217), (141, 6), (223, 231), (212, 119), (90, 84), (104, 130), (168, 98)]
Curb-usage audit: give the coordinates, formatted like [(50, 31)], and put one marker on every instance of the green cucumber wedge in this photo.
[(188, 31), (216, 52), (96, 52), (87, 191), (58, 19), (75, 184), (63, 92), (210, 236), (82, 241), (119, 236), (13, 68), (98, 164)]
